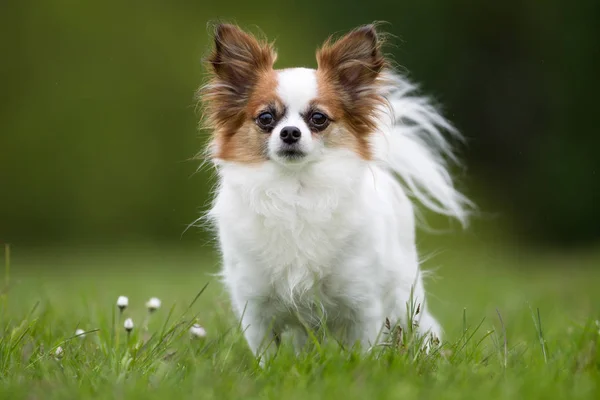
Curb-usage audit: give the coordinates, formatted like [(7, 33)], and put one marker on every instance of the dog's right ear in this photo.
[(238, 58), (354, 61)]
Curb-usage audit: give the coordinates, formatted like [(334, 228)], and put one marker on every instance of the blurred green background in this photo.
[(98, 122), (98, 128)]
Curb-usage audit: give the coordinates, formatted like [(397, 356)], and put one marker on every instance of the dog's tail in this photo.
[(411, 144)]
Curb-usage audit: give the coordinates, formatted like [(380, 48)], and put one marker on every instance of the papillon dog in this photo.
[(317, 170)]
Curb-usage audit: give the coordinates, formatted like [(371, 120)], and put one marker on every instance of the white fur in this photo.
[(334, 237), (296, 88)]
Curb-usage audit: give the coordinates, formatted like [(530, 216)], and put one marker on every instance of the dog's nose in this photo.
[(290, 134)]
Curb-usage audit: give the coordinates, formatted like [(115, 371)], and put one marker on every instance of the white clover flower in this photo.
[(80, 333), (128, 324), (122, 302), (153, 304), (197, 331), (59, 352)]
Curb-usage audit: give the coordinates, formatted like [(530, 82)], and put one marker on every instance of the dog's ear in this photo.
[(355, 60), (352, 66), (238, 58)]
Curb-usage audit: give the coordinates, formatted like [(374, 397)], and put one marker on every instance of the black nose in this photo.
[(290, 134)]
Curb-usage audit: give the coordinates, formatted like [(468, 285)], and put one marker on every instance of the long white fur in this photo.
[(411, 143), (334, 236)]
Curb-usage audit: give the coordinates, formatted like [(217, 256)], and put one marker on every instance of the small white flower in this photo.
[(58, 353), (128, 324), (197, 331), (122, 302), (153, 304), (80, 333)]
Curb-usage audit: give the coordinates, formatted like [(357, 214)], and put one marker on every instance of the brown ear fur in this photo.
[(237, 62), (350, 66)]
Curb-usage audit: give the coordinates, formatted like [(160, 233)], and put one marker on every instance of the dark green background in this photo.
[(98, 121)]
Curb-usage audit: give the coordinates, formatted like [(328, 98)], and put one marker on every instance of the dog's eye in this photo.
[(318, 120), (265, 120)]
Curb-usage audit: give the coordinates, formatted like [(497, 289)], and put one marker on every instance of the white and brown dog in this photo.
[(315, 169)]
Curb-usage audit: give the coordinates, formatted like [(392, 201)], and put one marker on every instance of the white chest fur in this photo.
[(341, 230), (284, 232)]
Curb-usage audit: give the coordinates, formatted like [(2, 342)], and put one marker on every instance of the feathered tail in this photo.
[(411, 144)]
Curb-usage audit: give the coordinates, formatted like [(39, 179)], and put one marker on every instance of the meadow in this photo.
[(519, 322)]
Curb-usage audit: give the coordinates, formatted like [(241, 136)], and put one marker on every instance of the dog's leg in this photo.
[(300, 340), (365, 328), (261, 333), (430, 329)]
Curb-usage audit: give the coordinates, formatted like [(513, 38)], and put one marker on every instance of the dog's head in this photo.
[(291, 116)]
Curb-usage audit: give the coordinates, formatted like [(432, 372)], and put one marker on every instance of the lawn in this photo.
[(519, 324)]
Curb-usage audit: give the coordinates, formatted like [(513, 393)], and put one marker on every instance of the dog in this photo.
[(317, 171)]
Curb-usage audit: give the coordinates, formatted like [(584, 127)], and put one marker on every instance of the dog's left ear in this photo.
[(238, 58), (236, 63), (355, 60)]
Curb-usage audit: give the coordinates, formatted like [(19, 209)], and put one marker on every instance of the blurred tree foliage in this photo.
[(98, 120)]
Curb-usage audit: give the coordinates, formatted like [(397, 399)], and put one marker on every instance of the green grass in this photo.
[(519, 325)]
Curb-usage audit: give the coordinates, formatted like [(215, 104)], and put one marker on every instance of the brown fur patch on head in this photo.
[(347, 77), (341, 134), (242, 81)]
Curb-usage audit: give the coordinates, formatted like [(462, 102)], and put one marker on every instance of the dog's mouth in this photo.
[(291, 154)]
